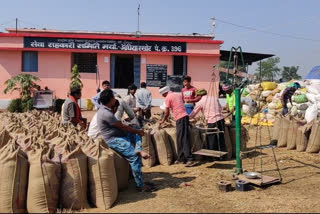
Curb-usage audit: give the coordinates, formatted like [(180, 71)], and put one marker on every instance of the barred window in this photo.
[(87, 62)]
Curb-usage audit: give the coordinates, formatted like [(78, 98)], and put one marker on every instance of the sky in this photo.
[(289, 29)]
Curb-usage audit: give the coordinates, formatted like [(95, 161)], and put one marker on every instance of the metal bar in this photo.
[(238, 131)]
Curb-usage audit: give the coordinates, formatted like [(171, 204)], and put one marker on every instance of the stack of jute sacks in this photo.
[(305, 101), (161, 142), (45, 166), (293, 133)]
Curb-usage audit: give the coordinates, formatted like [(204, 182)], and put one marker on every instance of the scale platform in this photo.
[(265, 180), (211, 153)]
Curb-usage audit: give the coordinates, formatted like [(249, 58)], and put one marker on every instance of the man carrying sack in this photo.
[(174, 102)]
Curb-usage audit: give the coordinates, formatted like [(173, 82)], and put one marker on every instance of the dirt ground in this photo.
[(183, 189)]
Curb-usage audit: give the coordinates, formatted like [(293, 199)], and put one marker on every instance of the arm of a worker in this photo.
[(128, 110), (126, 128), (95, 100), (166, 115), (196, 110)]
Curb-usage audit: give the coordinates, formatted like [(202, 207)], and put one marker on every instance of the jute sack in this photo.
[(276, 128), (284, 128), (44, 181), (103, 187), (227, 141), (314, 140), (73, 188), (196, 141), (147, 147), (163, 147), (244, 139), (172, 135), (303, 134), (292, 135), (121, 166), (5, 137), (13, 179)]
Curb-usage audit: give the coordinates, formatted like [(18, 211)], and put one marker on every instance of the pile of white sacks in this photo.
[(305, 101)]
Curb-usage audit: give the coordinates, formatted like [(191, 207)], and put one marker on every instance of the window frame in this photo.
[(79, 67), (23, 65), (184, 65)]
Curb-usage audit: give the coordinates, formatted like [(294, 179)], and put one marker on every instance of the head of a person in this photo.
[(75, 92), (132, 89), (143, 85), (107, 98), (227, 89), (164, 90), (296, 85), (106, 85), (116, 106), (187, 81)]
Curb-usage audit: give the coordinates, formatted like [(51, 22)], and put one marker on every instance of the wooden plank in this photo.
[(266, 180), (212, 153)]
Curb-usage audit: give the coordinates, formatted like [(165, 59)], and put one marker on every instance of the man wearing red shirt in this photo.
[(189, 95)]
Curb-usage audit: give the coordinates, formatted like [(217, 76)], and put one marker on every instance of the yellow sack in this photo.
[(89, 104), (279, 105), (303, 90), (268, 85)]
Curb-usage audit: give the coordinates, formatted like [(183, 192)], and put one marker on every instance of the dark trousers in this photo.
[(285, 108), (183, 139), (216, 141)]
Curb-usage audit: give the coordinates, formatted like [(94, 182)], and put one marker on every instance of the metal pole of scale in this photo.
[(238, 130)]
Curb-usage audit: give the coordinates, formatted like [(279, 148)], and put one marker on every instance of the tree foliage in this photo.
[(269, 69), (75, 78), (289, 73), (25, 84)]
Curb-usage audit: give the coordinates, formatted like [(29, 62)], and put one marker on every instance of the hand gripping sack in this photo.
[(163, 147), (148, 147), (44, 181), (13, 179), (103, 186), (74, 180)]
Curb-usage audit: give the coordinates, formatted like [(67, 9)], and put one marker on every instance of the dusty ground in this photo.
[(194, 189)]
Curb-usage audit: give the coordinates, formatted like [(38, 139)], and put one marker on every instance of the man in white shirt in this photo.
[(143, 101)]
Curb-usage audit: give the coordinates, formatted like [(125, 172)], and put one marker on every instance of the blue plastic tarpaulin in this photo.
[(314, 73)]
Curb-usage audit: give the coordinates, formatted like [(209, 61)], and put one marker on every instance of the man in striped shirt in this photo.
[(287, 95)]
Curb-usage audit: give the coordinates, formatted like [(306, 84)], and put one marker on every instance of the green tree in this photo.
[(289, 73), (25, 84), (75, 78), (269, 69)]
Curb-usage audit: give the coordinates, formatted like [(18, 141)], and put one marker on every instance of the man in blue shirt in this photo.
[(96, 99), (119, 137), (144, 99)]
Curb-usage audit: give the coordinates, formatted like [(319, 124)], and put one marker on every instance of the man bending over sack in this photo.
[(287, 95), (119, 138), (174, 102)]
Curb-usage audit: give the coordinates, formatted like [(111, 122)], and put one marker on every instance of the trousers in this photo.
[(123, 146), (183, 140)]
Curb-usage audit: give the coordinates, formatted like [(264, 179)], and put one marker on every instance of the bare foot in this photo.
[(143, 154)]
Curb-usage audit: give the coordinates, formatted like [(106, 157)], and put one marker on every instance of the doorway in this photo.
[(125, 70)]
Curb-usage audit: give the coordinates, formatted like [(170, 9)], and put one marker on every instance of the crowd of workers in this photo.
[(124, 136)]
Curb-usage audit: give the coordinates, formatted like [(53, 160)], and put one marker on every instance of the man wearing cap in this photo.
[(174, 102), (287, 95), (231, 100)]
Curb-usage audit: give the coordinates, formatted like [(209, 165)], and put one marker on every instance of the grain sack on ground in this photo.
[(314, 140), (303, 134), (292, 135), (196, 141), (244, 139), (5, 137), (172, 134), (13, 179), (148, 147), (276, 128), (121, 166), (284, 128), (73, 191), (44, 181), (227, 142), (103, 187), (163, 147)]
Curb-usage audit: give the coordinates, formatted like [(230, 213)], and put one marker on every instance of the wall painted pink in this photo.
[(203, 48), (11, 42)]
